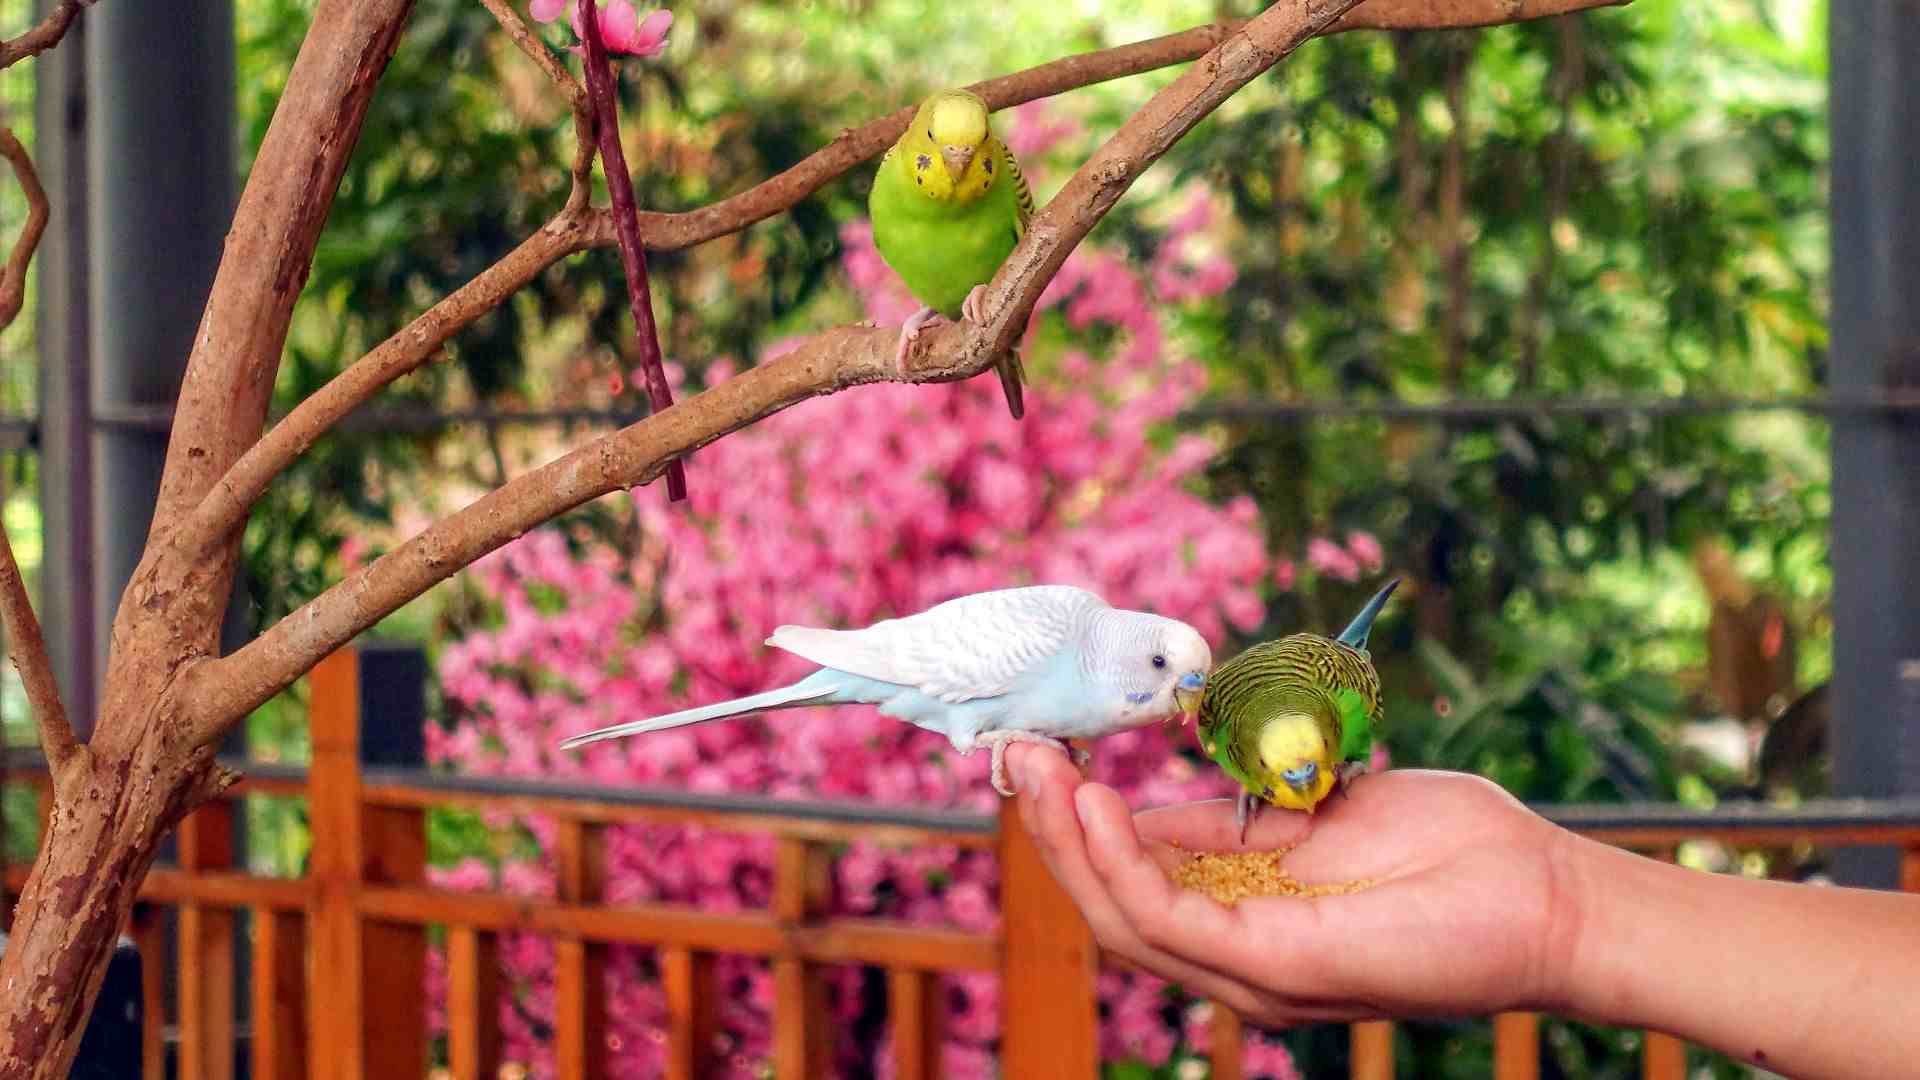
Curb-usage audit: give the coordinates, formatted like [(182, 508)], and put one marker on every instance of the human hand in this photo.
[(1471, 910)]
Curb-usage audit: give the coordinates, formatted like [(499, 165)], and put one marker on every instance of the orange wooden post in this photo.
[(279, 995), (1047, 966), (1665, 1057), (801, 1046), (205, 957), (150, 938), (690, 1000), (473, 1004), (361, 971), (1371, 1052), (1516, 1046), (580, 971), (1910, 869), (915, 1011), (1227, 1042)]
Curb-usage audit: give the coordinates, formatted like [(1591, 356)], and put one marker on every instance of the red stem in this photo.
[(626, 222)]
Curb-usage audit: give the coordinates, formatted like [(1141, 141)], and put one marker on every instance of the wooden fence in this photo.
[(338, 957)]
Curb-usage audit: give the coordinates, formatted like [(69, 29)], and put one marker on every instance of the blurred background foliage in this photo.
[(1626, 204)]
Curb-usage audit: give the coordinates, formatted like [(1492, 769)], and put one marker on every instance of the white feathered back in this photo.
[(975, 646)]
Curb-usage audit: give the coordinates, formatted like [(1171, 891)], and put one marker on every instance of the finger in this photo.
[(1046, 785), (1177, 922)]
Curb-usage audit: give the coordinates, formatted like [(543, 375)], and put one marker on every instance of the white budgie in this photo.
[(1038, 664)]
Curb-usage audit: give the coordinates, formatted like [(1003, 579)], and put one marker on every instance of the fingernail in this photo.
[(1083, 804)]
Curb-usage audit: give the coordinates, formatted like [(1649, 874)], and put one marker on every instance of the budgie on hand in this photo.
[(1293, 719), (1037, 664), (949, 203)]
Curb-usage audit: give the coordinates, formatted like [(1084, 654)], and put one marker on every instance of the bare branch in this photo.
[(29, 655), (226, 505), (218, 692), (13, 277), (569, 86), (29, 652), (44, 36), (626, 225)]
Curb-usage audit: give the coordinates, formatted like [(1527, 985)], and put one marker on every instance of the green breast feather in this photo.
[(943, 248)]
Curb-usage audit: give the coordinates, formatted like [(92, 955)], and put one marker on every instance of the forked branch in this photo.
[(43, 36)]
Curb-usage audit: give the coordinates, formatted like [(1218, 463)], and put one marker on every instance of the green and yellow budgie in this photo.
[(1295, 718), (949, 203)]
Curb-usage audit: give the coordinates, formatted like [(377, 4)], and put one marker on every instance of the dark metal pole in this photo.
[(1875, 125), (67, 574)]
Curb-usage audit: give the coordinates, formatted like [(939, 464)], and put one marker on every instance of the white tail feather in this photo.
[(785, 697)]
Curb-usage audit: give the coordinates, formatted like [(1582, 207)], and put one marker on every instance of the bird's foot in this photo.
[(910, 332), (970, 307), (1245, 806), (1000, 740), (1347, 772)]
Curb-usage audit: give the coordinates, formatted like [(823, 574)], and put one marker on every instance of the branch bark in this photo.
[(577, 228), (43, 36), (13, 277)]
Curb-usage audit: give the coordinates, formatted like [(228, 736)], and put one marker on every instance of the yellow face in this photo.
[(1296, 762), (949, 156)]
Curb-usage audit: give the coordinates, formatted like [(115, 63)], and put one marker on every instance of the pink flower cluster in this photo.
[(621, 26), (873, 503), (1362, 554)]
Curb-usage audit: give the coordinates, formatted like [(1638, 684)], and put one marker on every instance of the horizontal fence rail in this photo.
[(337, 958)]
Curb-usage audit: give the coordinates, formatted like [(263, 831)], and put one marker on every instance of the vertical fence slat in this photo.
[(1516, 1046), (1910, 870), (394, 955), (1664, 1057), (150, 938), (205, 951), (1049, 1015), (1371, 1056), (580, 979), (279, 1044), (800, 1021), (335, 1009), (915, 1011), (473, 1004), (1227, 1041), (689, 983)]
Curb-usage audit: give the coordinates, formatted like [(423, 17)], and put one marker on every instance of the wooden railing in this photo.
[(338, 956)]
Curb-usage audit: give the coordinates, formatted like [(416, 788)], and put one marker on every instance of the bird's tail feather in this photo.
[(800, 693), (1356, 632)]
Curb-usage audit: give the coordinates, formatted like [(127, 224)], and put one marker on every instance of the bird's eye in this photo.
[(1159, 661)]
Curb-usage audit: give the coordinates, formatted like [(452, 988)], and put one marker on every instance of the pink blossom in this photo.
[(1365, 548), (1330, 559), (621, 27), (1283, 574)]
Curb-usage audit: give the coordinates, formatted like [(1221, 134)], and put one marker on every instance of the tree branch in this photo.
[(625, 212), (44, 36), (13, 277), (29, 651), (218, 692), (576, 95), (577, 229)]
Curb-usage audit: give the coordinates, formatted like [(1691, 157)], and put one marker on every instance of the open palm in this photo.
[(1468, 913)]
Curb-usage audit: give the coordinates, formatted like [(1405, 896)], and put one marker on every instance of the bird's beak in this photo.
[(957, 159), (1186, 694)]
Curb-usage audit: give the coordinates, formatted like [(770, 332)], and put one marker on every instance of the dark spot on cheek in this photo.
[(987, 165), (1140, 698), (923, 163)]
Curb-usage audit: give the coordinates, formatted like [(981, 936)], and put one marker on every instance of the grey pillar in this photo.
[(1875, 741), (67, 576)]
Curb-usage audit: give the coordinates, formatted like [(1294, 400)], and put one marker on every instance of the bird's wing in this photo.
[(976, 646), (1022, 194)]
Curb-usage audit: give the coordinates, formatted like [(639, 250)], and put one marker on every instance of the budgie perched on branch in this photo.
[(1037, 664), (949, 203), (1293, 719)]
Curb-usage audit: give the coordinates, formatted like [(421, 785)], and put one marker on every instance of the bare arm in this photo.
[(1479, 906)]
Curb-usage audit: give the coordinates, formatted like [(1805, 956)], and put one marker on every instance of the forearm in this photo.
[(1803, 980)]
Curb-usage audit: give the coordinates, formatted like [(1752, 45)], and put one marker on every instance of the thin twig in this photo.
[(626, 221), (13, 277), (570, 87), (44, 36)]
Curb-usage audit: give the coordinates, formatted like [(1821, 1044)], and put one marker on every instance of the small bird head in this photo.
[(956, 122), (1296, 761)]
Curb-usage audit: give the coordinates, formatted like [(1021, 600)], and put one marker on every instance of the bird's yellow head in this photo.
[(1296, 761), (949, 152)]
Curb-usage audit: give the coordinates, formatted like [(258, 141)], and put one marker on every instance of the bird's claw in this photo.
[(1000, 740), (910, 332), (970, 307), (1347, 772), (1244, 809)]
